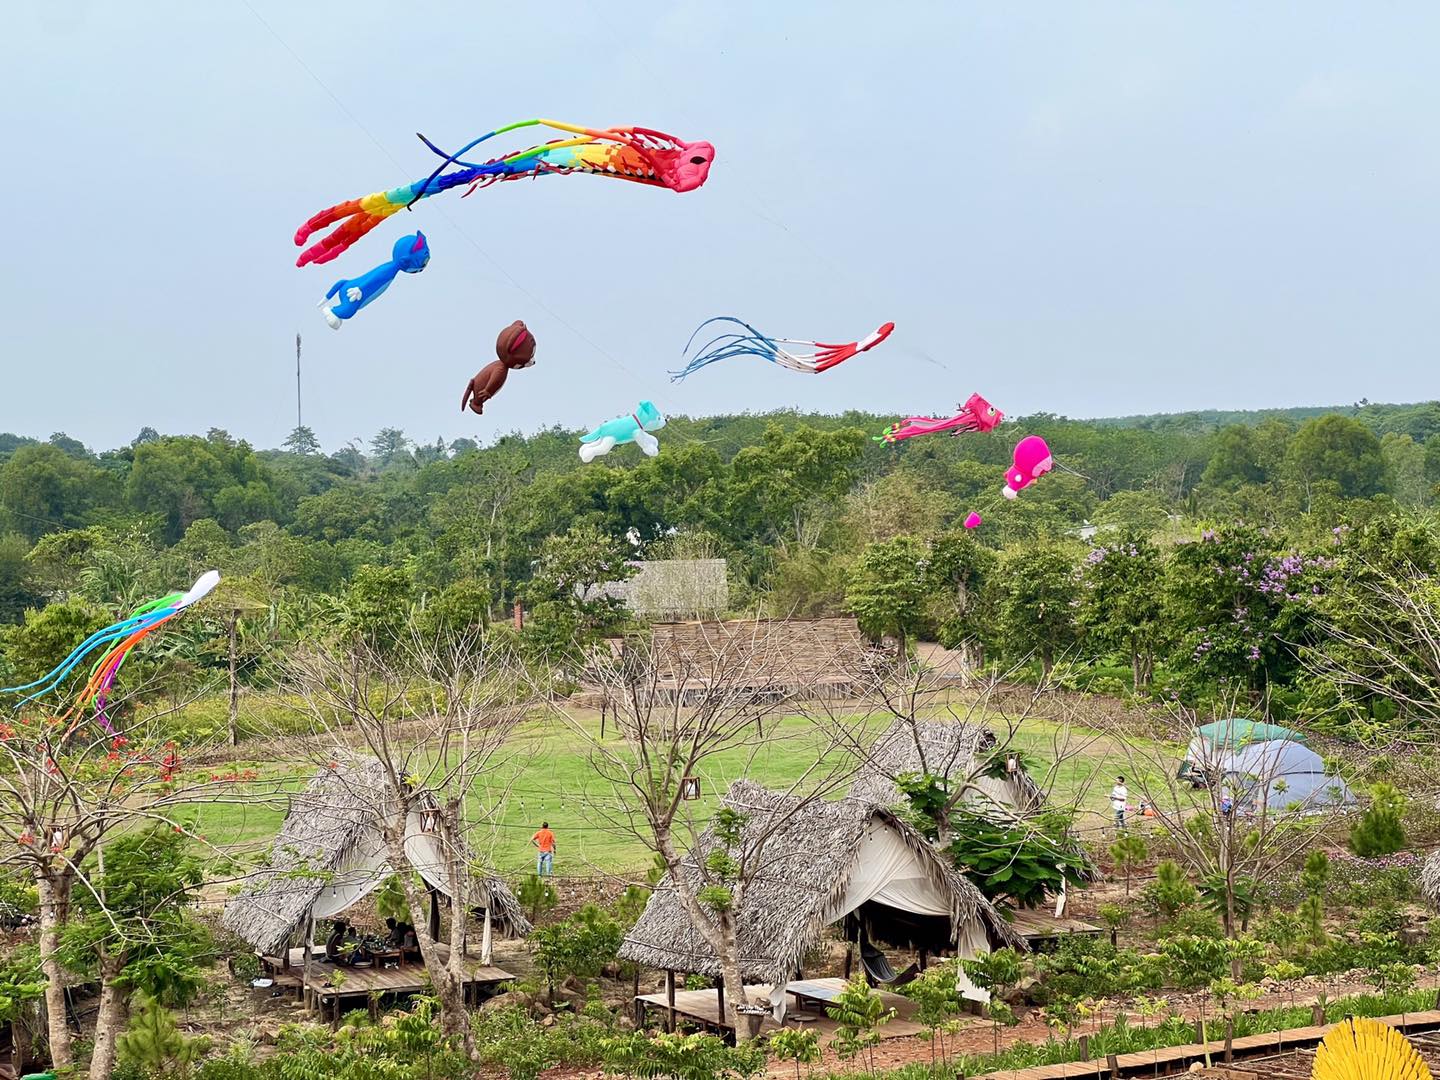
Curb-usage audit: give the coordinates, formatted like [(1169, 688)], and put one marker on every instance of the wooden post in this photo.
[(921, 960), (720, 1004), (434, 926), (1317, 1013), (604, 705), (1084, 1047), (309, 936), (234, 714), (670, 1001), (1113, 1064), (1229, 1040), (849, 958), (519, 616)]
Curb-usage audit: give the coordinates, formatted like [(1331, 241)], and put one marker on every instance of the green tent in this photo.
[(1237, 732), (1230, 735)]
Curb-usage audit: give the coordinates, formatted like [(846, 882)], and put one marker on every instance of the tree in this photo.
[(799, 1045), (1337, 450), (1129, 851), (437, 716), (130, 930), (996, 972), (888, 589), (391, 447), (302, 440), (1405, 470), (1379, 830), (154, 1044), (858, 1012), (42, 489), (1120, 607), (1035, 592), (582, 946)]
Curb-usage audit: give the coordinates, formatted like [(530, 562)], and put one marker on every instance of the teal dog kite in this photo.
[(635, 427)]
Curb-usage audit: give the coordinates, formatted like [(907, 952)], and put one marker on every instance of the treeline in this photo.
[(814, 515)]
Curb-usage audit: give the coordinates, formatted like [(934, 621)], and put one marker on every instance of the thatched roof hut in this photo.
[(1430, 879), (953, 750), (330, 855), (823, 862)]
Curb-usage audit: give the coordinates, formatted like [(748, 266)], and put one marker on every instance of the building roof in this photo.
[(330, 835), (951, 749), (810, 855)]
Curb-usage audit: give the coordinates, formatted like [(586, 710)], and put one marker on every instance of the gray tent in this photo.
[(1283, 774)]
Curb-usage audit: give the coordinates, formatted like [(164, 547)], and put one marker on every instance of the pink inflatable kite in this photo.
[(976, 414), (1032, 460)]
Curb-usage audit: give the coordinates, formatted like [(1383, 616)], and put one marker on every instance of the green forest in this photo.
[(1197, 557)]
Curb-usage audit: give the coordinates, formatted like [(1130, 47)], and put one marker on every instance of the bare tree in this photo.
[(1239, 816), (703, 715), (437, 714)]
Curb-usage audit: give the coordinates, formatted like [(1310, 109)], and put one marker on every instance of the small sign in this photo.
[(690, 788)]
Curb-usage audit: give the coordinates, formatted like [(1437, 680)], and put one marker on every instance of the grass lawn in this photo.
[(547, 775)]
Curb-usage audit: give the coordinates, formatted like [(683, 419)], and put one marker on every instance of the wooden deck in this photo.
[(359, 984), (701, 1008), (1176, 1060)]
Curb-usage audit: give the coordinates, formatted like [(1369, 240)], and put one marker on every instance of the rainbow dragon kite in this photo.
[(121, 637), (640, 155)]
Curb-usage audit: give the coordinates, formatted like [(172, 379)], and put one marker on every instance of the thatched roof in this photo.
[(327, 823), (806, 866), (1430, 879), (944, 748), (665, 589)]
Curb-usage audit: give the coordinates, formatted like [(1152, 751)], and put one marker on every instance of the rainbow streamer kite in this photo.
[(754, 343), (637, 154), (120, 638)]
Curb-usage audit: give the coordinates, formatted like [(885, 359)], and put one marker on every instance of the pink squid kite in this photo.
[(976, 414)]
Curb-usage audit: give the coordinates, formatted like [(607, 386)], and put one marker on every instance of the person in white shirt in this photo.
[(1119, 797)]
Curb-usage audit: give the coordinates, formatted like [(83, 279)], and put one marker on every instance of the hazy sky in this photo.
[(1091, 208)]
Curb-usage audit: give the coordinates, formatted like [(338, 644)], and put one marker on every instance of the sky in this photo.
[(1086, 209)]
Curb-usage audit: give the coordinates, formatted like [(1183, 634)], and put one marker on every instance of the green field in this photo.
[(546, 774)]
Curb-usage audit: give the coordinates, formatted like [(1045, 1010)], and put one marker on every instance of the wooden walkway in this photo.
[(701, 1008), (1175, 1060), (358, 984)]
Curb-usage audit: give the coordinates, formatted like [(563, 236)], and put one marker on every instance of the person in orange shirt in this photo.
[(544, 841)]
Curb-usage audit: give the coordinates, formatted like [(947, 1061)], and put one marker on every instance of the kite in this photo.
[(515, 348), (120, 638), (347, 296), (639, 155), (976, 414), (635, 427), (1031, 460), (754, 343)]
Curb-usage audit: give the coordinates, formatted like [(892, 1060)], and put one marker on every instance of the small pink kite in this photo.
[(976, 414)]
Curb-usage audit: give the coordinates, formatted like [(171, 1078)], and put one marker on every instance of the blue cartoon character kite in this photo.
[(634, 427), (347, 296)]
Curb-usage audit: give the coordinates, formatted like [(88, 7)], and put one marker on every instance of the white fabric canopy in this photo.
[(366, 866), (888, 871)]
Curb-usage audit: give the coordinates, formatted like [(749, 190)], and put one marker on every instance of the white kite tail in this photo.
[(203, 587)]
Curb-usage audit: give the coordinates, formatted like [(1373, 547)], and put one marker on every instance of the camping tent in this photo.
[(820, 863), (1210, 740), (1284, 774)]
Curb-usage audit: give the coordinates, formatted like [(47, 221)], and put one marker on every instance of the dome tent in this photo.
[(1210, 741), (1282, 773)]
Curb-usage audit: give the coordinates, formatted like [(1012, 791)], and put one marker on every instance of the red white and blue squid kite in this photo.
[(120, 638), (976, 414), (640, 155), (820, 357)]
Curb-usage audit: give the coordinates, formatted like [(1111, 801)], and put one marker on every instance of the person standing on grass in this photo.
[(544, 841), (1119, 798)]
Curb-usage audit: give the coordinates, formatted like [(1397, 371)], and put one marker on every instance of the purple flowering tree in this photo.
[(1239, 603)]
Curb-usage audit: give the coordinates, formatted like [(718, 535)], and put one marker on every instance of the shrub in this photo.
[(1170, 892), (1380, 831)]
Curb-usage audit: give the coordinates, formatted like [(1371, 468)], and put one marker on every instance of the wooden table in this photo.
[(815, 992)]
